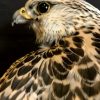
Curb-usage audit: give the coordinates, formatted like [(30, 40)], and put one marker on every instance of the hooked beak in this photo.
[(21, 17)]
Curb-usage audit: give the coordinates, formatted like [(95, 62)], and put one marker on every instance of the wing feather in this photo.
[(54, 73)]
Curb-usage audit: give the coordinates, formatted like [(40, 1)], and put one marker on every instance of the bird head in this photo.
[(50, 19)]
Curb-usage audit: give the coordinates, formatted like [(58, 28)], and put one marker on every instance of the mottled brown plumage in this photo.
[(67, 65)]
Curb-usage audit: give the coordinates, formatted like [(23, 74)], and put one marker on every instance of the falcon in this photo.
[(67, 64)]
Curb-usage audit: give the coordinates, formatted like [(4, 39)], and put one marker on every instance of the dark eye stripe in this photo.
[(30, 6)]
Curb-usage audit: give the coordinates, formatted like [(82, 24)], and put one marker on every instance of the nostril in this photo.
[(23, 11)]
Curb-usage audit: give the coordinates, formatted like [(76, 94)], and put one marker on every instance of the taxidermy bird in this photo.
[(67, 64)]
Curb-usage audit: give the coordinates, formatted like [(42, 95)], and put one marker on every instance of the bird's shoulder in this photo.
[(44, 70)]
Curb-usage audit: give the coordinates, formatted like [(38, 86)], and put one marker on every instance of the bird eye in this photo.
[(43, 7)]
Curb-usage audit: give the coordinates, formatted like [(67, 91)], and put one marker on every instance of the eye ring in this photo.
[(43, 7)]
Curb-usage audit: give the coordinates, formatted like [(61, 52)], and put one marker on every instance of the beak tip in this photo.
[(12, 24)]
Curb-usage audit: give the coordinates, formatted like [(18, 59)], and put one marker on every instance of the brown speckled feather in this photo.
[(68, 69)]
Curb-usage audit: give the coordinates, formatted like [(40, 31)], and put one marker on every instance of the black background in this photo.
[(18, 40)]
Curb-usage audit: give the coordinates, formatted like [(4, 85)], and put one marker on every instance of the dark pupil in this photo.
[(43, 7)]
